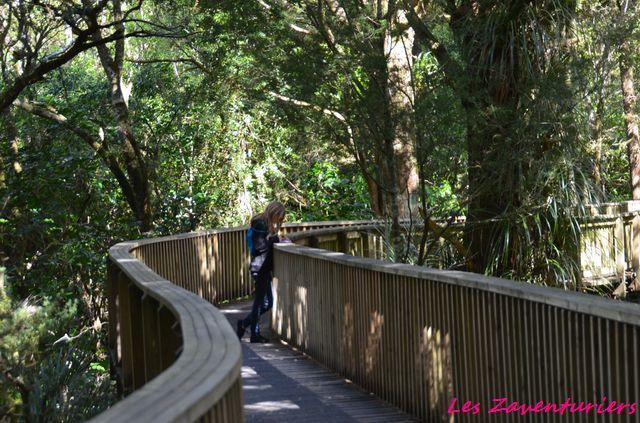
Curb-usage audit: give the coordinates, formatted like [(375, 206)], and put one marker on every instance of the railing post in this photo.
[(619, 248), (366, 248), (137, 336), (343, 242), (126, 354), (216, 264), (169, 336), (635, 247), (152, 359), (353, 240), (114, 321)]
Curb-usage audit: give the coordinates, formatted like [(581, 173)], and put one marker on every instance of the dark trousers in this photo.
[(262, 301), (266, 304)]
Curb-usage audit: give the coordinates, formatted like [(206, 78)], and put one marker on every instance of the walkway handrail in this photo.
[(175, 350), (421, 337), (174, 355), (394, 329)]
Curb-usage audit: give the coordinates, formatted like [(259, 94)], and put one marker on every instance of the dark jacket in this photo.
[(263, 244)]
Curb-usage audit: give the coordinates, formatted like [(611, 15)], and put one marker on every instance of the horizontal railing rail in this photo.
[(609, 244), (429, 340)]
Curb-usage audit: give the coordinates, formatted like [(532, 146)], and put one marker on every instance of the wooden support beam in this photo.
[(151, 344)]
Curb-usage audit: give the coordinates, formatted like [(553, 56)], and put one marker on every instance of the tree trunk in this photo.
[(133, 157), (630, 116), (379, 112), (375, 195), (389, 127), (486, 194), (397, 174), (398, 48), (596, 136), (11, 132)]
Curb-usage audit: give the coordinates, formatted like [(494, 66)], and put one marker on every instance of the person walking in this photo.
[(263, 233)]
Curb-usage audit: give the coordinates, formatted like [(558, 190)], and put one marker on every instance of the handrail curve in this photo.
[(208, 367), (414, 336), (174, 355)]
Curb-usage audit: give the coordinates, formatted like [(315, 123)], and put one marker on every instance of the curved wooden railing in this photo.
[(416, 337), (173, 353), (422, 338)]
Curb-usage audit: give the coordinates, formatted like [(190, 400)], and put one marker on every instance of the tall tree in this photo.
[(135, 165), (133, 179), (126, 177), (33, 46), (367, 85), (627, 56), (509, 59)]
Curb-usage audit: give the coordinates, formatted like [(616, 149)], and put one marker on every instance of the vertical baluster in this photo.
[(137, 336), (113, 274), (169, 336), (125, 318), (151, 344)]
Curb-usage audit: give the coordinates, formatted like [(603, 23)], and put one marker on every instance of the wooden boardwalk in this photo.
[(283, 385)]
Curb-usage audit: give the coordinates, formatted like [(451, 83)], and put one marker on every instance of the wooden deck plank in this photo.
[(281, 384)]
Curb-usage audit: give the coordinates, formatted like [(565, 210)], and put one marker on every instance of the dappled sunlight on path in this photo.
[(280, 384)]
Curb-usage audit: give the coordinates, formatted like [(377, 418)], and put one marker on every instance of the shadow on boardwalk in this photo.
[(282, 385)]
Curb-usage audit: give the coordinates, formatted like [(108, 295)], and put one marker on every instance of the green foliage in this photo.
[(244, 104), (332, 193), (441, 129), (216, 154), (45, 380)]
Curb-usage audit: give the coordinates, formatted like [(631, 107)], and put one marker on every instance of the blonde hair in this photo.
[(273, 215)]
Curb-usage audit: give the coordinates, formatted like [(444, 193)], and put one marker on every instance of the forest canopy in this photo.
[(129, 119)]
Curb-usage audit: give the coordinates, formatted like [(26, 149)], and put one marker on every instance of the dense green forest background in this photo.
[(129, 119)]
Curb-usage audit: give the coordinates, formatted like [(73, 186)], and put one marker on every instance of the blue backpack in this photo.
[(252, 249), (250, 234)]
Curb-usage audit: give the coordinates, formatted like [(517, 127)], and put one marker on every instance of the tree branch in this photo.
[(51, 62), (34, 69), (22, 387), (107, 158), (315, 107)]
